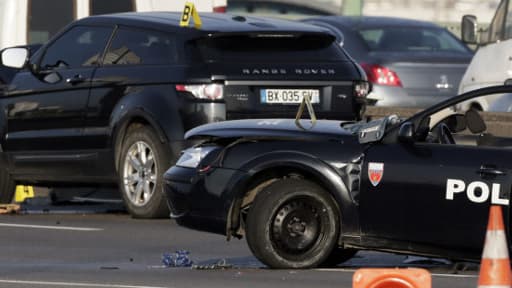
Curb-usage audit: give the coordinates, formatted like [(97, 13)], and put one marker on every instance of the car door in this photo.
[(136, 72), (137, 62), (439, 194), (45, 106)]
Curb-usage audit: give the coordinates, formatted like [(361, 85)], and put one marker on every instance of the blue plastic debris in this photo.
[(178, 259), (167, 260)]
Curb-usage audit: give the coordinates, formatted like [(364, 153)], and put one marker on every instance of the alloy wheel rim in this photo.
[(139, 173)]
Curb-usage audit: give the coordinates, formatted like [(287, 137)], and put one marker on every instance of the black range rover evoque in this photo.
[(107, 101)]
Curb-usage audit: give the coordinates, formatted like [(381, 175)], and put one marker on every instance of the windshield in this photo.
[(410, 39)]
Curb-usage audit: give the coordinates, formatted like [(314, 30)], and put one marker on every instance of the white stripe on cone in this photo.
[(497, 246)]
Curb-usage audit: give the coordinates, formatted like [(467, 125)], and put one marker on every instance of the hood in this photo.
[(273, 128)]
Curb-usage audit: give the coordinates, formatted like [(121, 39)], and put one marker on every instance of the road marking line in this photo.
[(335, 269), (75, 284), (454, 275), (351, 270), (50, 227)]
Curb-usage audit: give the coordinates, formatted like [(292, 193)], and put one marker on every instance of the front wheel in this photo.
[(143, 161), (293, 223)]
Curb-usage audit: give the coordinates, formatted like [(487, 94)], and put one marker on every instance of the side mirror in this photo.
[(16, 57), (406, 133), (469, 29)]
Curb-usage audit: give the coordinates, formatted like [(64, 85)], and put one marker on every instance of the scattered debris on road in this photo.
[(9, 208), (178, 259), (220, 265)]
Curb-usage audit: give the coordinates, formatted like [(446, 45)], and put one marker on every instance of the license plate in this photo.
[(288, 96)]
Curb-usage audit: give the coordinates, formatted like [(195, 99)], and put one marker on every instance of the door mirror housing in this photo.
[(406, 133), (16, 57), (469, 29)]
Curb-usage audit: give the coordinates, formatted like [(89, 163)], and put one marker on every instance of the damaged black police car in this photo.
[(308, 198)]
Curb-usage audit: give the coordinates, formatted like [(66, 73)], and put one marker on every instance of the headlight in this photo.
[(191, 157)]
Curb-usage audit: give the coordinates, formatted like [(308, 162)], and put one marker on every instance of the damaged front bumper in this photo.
[(200, 200)]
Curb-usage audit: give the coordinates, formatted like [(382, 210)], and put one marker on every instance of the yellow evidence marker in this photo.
[(22, 192), (190, 12)]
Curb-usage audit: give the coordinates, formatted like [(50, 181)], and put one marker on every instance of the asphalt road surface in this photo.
[(115, 251)]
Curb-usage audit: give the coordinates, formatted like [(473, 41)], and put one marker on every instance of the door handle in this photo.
[(75, 79), (492, 171)]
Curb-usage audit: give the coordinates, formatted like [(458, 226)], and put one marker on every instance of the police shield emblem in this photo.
[(375, 172)]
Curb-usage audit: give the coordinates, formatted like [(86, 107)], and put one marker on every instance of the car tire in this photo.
[(7, 187), (293, 223), (338, 256), (142, 163)]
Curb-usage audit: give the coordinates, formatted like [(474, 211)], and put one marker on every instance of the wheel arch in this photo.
[(274, 166), (156, 107), (136, 117)]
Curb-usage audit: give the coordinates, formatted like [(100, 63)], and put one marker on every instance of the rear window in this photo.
[(266, 47), (405, 39)]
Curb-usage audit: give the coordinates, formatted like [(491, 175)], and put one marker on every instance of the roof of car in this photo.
[(211, 22), (373, 21)]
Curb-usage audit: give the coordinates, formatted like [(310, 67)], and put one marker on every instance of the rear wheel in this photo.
[(7, 187), (143, 161), (292, 223)]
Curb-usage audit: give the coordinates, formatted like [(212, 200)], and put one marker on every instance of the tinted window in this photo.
[(276, 48), (104, 6), (80, 46), (411, 39), (141, 47), (41, 26)]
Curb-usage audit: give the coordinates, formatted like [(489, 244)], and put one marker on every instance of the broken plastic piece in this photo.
[(220, 265), (9, 208), (178, 259)]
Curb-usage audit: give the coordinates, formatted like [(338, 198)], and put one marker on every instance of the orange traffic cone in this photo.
[(391, 278), (495, 265)]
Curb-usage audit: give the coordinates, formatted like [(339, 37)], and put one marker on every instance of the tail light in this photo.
[(381, 75), (219, 6), (219, 9), (203, 91), (362, 89)]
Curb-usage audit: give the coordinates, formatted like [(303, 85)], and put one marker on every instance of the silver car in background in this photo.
[(410, 63)]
